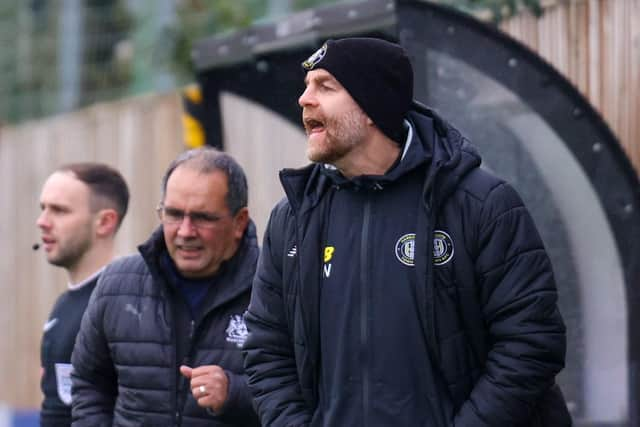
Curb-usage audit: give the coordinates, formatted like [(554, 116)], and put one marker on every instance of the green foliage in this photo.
[(107, 23), (31, 37), (203, 18), (26, 61), (121, 54)]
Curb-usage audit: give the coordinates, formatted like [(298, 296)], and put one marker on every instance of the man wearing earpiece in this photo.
[(82, 206)]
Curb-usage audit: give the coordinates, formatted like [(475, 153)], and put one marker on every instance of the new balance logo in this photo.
[(328, 255)]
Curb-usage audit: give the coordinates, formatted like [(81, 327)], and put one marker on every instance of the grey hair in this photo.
[(207, 160)]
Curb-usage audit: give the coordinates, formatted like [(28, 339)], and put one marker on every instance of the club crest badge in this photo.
[(63, 381), (405, 249), (237, 330), (442, 247), (313, 60)]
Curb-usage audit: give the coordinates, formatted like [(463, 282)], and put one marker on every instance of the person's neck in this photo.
[(373, 157), (92, 261)]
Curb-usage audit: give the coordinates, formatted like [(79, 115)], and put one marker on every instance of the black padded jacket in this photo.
[(136, 332), (489, 314)]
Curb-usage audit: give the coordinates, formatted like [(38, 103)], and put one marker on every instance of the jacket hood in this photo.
[(304, 187), (430, 140), (412, 155), (451, 155)]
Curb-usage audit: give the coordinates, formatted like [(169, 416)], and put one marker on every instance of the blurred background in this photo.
[(549, 90), (59, 55)]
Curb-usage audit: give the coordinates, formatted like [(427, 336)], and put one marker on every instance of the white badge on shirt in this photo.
[(63, 379)]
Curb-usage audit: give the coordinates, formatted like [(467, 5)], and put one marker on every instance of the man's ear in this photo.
[(240, 222), (106, 222)]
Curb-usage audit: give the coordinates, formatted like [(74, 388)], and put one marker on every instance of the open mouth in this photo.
[(312, 125)]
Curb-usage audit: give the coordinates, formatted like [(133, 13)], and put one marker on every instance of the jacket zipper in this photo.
[(176, 382), (364, 310), (187, 360)]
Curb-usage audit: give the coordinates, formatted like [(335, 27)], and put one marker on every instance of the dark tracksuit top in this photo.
[(58, 338), (367, 296)]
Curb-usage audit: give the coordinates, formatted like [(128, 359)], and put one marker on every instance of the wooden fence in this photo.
[(593, 42), (139, 137), (596, 45)]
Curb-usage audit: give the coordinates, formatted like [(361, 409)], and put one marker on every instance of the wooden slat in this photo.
[(633, 144), (284, 147), (596, 45), (594, 93), (138, 136)]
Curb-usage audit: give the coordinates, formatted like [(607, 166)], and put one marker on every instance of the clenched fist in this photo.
[(209, 385)]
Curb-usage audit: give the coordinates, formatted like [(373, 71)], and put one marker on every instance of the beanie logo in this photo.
[(313, 60)]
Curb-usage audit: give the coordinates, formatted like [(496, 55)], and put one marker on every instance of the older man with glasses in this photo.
[(161, 341)]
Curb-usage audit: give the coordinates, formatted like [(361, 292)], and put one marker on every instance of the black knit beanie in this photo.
[(376, 73)]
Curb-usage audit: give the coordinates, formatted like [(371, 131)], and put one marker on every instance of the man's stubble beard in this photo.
[(69, 256), (342, 134)]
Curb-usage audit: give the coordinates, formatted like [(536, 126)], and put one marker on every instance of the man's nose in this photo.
[(43, 220), (307, 98), (186, 227)]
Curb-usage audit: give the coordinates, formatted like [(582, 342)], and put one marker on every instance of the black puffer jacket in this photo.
[(136, 332), (489, 315)]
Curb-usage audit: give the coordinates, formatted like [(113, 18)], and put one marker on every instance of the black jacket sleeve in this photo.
[(526, 334), (238, 408), (269, 354), (93, 378)]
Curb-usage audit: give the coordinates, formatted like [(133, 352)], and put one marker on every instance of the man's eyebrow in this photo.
[(171, 208), (323, 78), (53, 205)]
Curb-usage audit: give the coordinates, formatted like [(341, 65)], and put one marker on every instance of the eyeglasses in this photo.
[(172, 216)]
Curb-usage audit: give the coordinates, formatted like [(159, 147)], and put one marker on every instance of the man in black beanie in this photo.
[(399, 283)]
